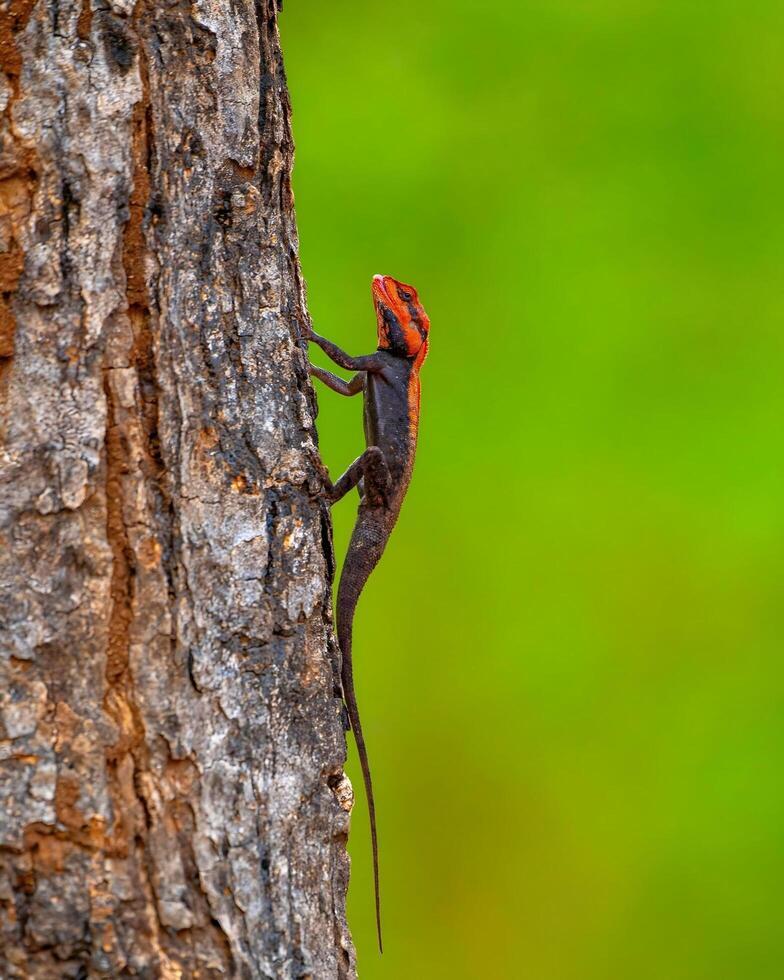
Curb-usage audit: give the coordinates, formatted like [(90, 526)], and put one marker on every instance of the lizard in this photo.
[(389, 382)]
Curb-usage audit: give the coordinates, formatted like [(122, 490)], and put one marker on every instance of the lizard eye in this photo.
[(406, 297)]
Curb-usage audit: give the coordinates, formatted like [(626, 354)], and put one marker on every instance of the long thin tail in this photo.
[(366, 547), (353, 714)]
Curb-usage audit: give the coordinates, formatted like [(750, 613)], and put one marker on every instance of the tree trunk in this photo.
[(172, 800)]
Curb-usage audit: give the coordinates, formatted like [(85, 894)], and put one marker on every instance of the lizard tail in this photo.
[(370, 545), (353, 714)]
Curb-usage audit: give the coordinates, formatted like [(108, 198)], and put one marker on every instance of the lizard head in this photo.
[(403, 325)]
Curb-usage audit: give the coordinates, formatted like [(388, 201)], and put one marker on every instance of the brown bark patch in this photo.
[(117, 536), (134, 248), (48, 851), (65, 799), (17, 177), (85, 21), (16, 192), (7, 327), (13, 19)]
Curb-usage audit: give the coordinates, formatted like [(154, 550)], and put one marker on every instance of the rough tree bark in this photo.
[(172, 800)]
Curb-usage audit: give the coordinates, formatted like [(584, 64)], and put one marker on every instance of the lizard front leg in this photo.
[(351, 387), (366, 362), (371, 467)]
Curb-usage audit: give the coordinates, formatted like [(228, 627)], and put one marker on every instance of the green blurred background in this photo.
[(576, 724)]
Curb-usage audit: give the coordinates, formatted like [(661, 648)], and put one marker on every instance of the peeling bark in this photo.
[(172, 801)]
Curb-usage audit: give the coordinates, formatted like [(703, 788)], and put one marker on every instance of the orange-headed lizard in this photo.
[(389, 382)]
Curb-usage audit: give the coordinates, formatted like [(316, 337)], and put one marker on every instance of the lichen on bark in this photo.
[(171, 746)]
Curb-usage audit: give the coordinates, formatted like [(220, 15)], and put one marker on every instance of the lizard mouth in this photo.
[(380, 290)]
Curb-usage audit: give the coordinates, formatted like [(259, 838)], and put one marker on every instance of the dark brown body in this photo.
[(389, 395), (391, 405)]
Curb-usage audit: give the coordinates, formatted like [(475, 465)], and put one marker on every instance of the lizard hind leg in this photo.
[(372, 471)]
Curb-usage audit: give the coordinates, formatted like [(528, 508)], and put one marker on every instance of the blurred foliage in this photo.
[(569, 661)]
